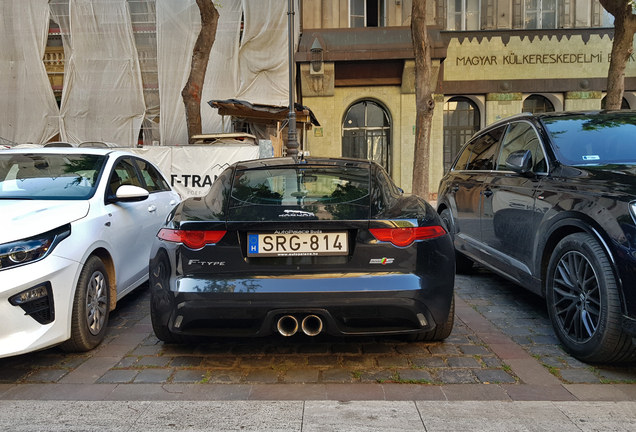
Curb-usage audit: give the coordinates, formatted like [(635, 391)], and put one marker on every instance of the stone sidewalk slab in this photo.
[(317, 415)]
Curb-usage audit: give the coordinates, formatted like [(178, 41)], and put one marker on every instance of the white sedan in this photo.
[(77, 227)]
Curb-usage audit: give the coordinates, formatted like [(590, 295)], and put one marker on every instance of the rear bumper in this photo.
[(359, 304)]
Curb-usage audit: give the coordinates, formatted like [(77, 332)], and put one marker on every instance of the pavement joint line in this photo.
[(538, 375)]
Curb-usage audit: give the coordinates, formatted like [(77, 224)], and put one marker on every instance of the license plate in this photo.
[(297, 243)]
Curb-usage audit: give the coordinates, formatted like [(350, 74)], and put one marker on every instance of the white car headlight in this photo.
[(31, 249)]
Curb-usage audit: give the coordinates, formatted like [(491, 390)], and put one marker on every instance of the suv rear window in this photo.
[(301, 185), (605, 138)]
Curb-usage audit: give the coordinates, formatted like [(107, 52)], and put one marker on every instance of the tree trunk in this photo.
[(622, 49), (424, 102), (191, 93)]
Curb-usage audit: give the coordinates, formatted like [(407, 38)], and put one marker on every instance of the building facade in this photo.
[(491, 59)]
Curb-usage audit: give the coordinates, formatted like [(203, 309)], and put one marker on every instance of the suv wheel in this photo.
[(583, 301)]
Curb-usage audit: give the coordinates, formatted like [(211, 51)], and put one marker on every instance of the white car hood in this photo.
[(21, 219)]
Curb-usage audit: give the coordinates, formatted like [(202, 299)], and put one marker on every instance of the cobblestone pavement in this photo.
[(502, 337)]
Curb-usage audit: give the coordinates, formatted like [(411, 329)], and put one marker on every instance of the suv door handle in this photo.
[(488, 193)]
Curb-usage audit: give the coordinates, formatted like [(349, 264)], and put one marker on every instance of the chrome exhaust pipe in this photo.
[(287, 325), (312, 325)]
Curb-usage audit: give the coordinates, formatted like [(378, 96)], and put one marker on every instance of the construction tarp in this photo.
[(103, 92), (264, 54), (28, 111), (254, 66)]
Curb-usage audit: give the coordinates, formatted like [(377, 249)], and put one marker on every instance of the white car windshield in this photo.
[(49, 176)]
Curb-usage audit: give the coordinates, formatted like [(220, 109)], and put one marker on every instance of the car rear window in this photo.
[(49, 176), (605, 138), (301, 185)]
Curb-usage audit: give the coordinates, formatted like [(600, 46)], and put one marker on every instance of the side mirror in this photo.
[(520, 161), (129, 193)]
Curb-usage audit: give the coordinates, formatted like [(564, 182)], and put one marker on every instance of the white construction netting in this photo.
[(126, 62), (103, 91), (263, 54), (28, 112)]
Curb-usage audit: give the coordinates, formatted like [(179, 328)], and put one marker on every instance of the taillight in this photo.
[(403, 237), (192, 239)]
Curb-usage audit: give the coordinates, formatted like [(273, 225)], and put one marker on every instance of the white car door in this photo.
[(133, 227), (161, 195)]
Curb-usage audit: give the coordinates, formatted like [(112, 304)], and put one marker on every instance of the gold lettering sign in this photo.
[(526, 58)]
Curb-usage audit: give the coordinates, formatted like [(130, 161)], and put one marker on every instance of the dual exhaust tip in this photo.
[(288, 325)]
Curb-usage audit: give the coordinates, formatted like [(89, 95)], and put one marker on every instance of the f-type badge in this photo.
[(383, 261), (296, 213)]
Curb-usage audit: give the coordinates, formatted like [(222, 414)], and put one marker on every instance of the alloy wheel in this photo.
[(96, 302), (577, 297)]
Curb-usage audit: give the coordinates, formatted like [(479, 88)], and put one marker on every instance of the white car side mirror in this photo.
[(129, 193)]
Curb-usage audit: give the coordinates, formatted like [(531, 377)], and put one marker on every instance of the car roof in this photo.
[(307, 160), (556, 114), (65, 150)]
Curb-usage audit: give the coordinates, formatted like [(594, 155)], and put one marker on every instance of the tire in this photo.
[(584, 302), (159, 281), (440, 332), (463, 264), (91, 303)]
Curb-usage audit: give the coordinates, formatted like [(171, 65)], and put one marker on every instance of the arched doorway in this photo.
[(461, 121), (536, 104), (366, 133), (624, 103)]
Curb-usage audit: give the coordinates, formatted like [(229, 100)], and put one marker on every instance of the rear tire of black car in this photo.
[(463, 264), (584, 303), (159, 281), (159, 278), (91, 303), (441, 331)]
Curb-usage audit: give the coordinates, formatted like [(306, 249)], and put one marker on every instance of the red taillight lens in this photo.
[(192, 239), (403, 237)]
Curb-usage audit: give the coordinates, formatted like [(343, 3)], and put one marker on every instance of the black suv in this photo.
[(549, 202)]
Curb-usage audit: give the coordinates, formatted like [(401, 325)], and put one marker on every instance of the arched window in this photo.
[(461, 121), (366, 133), (624, 104), (537, 104)]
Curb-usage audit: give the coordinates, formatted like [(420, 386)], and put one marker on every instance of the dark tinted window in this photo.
[(606, 138), (300, 186), (154, 181), (522, 136), (49, 176), (123, 174), (462, 161), (485, 150), (216, 199), (387, 192)]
